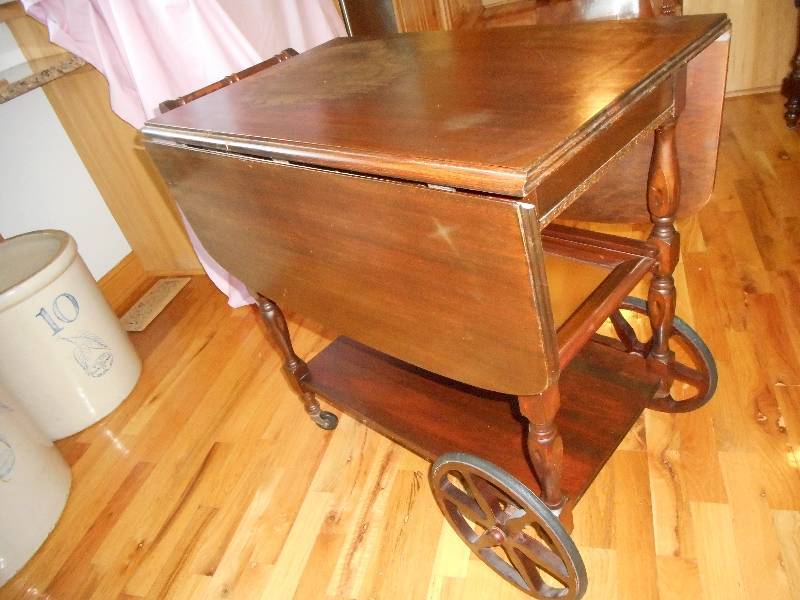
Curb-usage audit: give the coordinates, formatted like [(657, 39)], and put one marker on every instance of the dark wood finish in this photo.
[(416, 275), (692, 370), (508, 107), (791, 85), (508, 527), (670, 7), (168, 105), (295, 367), (369, 17), (627, 261), (617, 196), (544, 443), (663, 197), (562, 182), (433, 277), (459, 280), (603, 391)]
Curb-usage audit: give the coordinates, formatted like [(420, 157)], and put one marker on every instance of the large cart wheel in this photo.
[(693, 369), (508, 527)]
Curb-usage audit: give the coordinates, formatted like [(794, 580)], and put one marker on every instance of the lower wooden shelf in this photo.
[(603, 393)]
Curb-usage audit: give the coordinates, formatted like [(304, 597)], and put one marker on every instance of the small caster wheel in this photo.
[(694, 367), (508, 527), (325, 420)]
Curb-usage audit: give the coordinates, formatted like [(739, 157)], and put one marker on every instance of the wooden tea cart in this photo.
[(402, 191)]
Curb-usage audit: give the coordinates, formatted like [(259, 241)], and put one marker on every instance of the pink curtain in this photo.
[(154, 50)]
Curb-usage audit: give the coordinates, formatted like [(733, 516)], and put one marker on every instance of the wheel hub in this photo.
[(497, 534)]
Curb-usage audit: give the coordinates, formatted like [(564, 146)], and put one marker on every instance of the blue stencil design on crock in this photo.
[(7, 460), (91, 353)]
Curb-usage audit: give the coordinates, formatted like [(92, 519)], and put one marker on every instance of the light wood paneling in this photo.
[(763, 43), (111, 152), (211, 482), (429, 15), (10, 11), (418, 15), (764, 36)]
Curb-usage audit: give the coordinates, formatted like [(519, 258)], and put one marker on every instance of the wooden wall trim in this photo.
[(125, 283), (113, 156)]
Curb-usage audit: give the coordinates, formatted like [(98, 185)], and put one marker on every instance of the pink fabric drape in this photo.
[(153, 50)]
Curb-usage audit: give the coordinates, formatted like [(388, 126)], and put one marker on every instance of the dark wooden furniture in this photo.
[(617, 197), (402, 191), (369, 18), (791, 85), (168, 105)]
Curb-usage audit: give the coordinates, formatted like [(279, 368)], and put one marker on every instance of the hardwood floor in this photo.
[(210, 482)]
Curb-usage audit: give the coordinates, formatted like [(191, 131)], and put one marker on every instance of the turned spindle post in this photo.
[(545, 447), (663, 196), (791, 85), (669, 7), (295, 367)]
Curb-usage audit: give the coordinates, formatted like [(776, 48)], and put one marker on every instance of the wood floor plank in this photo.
[(787, 526), (717, 561), (757, 545)]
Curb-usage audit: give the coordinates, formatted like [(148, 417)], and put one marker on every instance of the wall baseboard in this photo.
[(770, 89), (125, 283)]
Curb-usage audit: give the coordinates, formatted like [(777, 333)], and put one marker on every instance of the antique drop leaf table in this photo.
[(402, 191)]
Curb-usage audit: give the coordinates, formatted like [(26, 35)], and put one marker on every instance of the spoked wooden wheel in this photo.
[(508, 527), (693, 372)]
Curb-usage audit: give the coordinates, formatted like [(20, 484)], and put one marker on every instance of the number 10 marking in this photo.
[(61, 311)]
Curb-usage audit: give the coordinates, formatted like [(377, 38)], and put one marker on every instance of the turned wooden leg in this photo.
[(294, 366), (545, 447), (670, 7), (791, 87), (663, 195)]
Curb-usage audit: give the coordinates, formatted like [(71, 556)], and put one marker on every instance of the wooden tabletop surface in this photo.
[(485, 110)]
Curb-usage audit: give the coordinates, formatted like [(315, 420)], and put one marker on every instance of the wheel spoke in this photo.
[(687, 374), (542, 556), (521, 540), (627, 335), (477, 488), (531, 577), (486, 540), (517, 521), (465, 504)]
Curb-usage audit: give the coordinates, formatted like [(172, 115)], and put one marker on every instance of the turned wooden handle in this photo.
[(168, 105)]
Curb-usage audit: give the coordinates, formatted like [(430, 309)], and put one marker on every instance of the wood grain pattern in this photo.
[(499, 108), (411, 277), (762, 47), (617, 197), (125, 283), (619, 191), (763, 43), (111, 151), (489, 424), (192, 488)]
